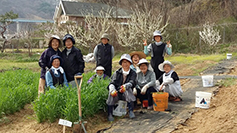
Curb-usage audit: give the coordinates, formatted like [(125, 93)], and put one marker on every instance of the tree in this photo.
[(210, 35), (5, 20), (140, 26)]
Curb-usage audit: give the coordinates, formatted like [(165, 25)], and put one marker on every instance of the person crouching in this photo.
[(99, 74), (55, 76), (146, 82), (120, 87), (169, 81)]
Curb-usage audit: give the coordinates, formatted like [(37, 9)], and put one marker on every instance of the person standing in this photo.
[(73, 59), (157, 50), (104, 53), (44, 61)]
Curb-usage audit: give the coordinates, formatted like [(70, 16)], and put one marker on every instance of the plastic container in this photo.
[(145, 103), (121, 109), (207, 80), (160, 101), (228, 56), (203, 99)]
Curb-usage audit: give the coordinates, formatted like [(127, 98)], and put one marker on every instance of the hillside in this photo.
[(35, 9)]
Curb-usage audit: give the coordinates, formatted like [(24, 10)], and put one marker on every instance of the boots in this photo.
[(110, 113), (130, 108)]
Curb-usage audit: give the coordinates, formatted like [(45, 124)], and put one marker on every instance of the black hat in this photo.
[(68, 36), (53, 57)]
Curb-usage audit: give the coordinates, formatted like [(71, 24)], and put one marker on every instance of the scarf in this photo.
[(125, 73), (55, 70), (158, 43)]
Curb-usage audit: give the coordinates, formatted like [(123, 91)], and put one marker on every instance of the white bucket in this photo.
[(228, 56), (121, 109), (203, 99), (207, 80)]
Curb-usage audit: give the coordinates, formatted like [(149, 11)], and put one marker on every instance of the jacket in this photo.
[(73, 63), (117, 79), (148, 79)]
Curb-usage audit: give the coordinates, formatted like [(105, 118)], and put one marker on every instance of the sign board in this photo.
[(65, 123)]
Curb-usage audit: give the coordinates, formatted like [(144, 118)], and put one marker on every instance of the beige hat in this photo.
[(161, 66), (105, 35), (55, 37), (139, 53), (143, 61), (126, 57)]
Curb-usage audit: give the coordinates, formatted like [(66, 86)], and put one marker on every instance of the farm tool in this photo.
[(82, 123)]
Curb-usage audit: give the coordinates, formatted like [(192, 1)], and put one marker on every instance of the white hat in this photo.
[(105, 35), (161, 66), (55, 36), (99, 68), (156, 33), (142, 61), (126, 57)]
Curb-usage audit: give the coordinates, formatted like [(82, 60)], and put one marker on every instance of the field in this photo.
[(20, 75)]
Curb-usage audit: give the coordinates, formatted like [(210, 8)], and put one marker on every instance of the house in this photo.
[(76, 11)]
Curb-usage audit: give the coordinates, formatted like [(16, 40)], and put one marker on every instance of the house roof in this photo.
[(74, 8)]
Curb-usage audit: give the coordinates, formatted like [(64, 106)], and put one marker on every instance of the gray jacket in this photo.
[(148, 79)]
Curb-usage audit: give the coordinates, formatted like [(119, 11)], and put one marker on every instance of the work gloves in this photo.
[(134, 91), (112, 90), (168, 81)]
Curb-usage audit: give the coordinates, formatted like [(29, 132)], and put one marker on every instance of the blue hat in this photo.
[(53, 57), (68, 36)]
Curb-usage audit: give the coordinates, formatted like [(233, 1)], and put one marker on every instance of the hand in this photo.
[(134, 91), (122, 88), (144, 42), (157, 83), (144, 88), (112, 90), (46, 68), (78, 74), (168, 81), (114, 93), (168, 44), (162, 87)]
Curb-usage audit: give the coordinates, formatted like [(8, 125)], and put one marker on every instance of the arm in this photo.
[(65, 80), (81, 62), (49, 80), (147, 49), (95, 52), (174, 76), (112, 52), (91, 79), (42, 61), (168, 50), (153, 80)]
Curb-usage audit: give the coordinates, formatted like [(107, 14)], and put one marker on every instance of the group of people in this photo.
[(137, 78)]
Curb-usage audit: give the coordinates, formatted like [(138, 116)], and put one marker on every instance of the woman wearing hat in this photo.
[(146, 82), (99, 74), (104, 53), (120, 87), (169, 81), (136, 56), (55, 76), (73, 59), (44, 61), (157, 50)]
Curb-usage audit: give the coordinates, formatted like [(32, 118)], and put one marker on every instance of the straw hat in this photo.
[(161, 66), (143, 61), (126, 57), (139, 53)]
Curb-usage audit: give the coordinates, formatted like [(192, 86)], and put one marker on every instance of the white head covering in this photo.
[(126, 57), (161, 66)]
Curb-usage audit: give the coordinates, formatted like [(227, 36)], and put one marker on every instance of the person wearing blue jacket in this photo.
[(56, 75), (44, 61)]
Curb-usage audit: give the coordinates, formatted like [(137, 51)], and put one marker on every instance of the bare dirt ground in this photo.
[(220, 117)]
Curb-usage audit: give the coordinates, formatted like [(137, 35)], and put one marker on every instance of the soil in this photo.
[(220, 117)]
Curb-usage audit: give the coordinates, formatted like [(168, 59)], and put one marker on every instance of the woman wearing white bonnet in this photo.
[(169, 81)]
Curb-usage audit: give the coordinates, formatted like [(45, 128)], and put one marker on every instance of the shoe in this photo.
[(150, 107), (110, 118), (131, 114)]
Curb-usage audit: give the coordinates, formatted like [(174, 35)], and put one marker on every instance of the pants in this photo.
[(147, 96)]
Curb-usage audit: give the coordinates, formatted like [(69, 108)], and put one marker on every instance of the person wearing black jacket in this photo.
[(44, 61), (104, 53), (120, 87), (73, 59)]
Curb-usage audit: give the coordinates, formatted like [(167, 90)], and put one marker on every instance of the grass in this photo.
[(227, 82), (17, 88), (63, 102)]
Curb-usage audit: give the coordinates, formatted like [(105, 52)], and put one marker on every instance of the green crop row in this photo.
[(63, 102), (17, 88)]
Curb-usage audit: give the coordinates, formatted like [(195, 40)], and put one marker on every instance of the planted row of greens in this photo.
[(63, 102), (17, 88)]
